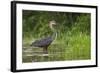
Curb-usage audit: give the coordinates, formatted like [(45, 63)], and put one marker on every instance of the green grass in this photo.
[(79, 48)]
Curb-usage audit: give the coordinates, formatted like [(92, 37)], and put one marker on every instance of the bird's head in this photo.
[(52, 24)]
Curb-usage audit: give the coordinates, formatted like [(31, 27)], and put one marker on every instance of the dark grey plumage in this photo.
[(43, 42)]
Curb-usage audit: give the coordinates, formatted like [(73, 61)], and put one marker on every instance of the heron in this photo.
[(45, 42)]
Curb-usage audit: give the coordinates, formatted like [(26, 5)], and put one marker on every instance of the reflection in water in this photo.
[(37, 55)]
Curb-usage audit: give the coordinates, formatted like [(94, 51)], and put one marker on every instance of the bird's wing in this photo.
[(42, 42)]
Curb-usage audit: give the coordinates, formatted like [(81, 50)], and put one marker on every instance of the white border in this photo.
[(21, 65)]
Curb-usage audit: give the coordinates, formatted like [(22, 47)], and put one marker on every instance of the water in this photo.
[(37, 55)]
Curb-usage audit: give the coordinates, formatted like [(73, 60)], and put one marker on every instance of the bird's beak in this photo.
[(54, 24)]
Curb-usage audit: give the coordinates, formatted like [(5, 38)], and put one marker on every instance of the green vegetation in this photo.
[(73, 41)]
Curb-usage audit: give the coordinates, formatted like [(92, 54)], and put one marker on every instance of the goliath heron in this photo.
[(45, 42)]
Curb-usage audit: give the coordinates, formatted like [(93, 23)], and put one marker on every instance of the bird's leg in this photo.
[(45, 50)]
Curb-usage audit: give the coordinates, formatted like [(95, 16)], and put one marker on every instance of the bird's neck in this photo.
[(54, 36)]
